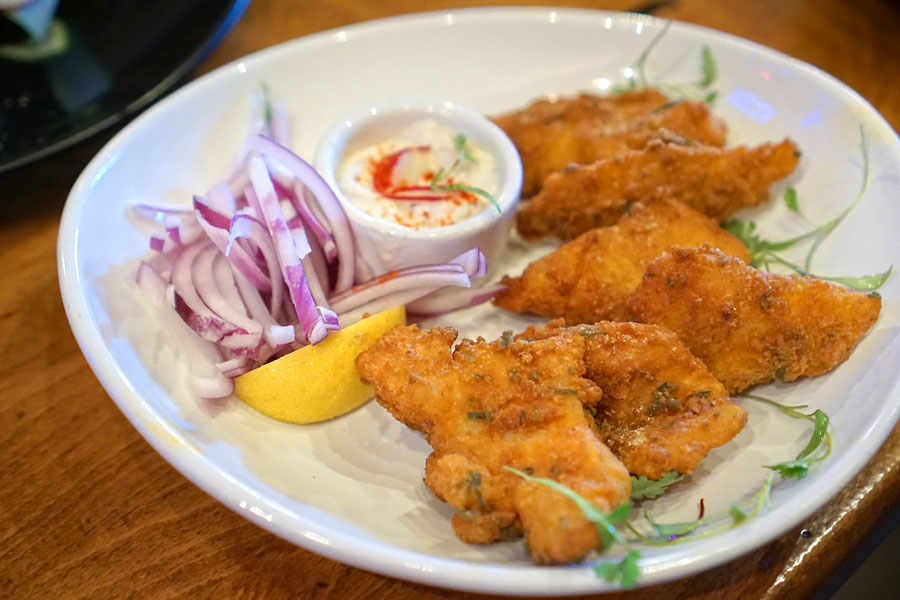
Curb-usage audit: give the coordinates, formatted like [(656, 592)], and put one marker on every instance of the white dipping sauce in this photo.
[(394, 179)]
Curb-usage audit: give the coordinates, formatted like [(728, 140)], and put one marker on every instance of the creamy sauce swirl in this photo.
[(414, 178)]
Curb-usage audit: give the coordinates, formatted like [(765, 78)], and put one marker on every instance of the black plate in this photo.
[(122, 55)]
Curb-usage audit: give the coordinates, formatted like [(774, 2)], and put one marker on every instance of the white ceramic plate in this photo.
[(352, 489)]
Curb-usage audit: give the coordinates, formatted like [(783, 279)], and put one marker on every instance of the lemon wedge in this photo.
[(316, 382)]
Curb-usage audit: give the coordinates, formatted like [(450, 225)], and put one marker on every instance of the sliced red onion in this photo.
[(205, 383), (314, 326), (328, 202), (215, 285), (246, 226), (319, 264), (437, 277), (158, 242), (151, 282), (183, 230), (448, 300), (279, 125), (282, 334), (158, 212), (238, 363), (274, 334), (200, 318), (237, 255), (473, 263), (382, 303), (221, 199), (212, 387), (316, 224), (239, 181)]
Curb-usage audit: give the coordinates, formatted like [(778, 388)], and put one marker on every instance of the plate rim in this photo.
[(405, 564)]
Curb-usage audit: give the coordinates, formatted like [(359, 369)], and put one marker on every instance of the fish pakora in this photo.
[(749, 326), (485, 406), (552, 134), (589, 278), (711, 180), (661, 409)]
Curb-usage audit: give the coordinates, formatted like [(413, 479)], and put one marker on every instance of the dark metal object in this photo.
[(122, 56)]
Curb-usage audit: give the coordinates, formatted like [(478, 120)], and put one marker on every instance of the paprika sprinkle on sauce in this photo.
[(425, 176)]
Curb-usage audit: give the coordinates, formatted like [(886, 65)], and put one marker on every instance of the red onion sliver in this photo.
[(328, 202), (450, 299), (279, 125), (150, 281), (312, 322), (245, 225), (158, 213), (382, 279), (236, 255), (473, 263), (317, 226), (232, 364), (428, 279), (274, 334), (382, 303), (201, 319), (212, 387), (211, 384), (220, 198)]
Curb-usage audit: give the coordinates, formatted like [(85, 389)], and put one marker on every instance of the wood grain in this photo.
[(89, 510)]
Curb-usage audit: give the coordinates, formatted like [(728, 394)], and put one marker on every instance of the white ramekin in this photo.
[(383, 246)]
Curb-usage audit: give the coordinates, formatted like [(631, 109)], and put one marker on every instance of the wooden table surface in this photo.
[(88, 509)]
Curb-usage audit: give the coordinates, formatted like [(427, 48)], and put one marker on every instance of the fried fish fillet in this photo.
[(589, 278), (484, 407), (749, 326), (661, 408), (552, 134), (710, 180)]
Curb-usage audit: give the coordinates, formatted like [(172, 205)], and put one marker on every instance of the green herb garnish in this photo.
[(267, 104), (460, 144), (708, 67), (790, 200), (799, 467), (764, 254), (738, 515), (709, 72), (678, 533), (626, 571), (641, 487)]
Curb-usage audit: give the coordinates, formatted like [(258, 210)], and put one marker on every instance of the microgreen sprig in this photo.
[(799, 467), (764, 253), (709, 72), (679, 533), (626, 571), (267, 104), (462, 154), (642, 487)]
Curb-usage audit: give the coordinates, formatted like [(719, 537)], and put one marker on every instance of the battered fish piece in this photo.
[(661, 408), (710, 180), (508, 403), (552, 134), (749, 326), (589, 278)]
